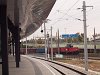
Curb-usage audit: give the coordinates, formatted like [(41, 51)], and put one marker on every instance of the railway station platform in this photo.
[(26, 67)]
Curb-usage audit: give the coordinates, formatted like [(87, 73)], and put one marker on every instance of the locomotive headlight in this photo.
[(66, 49)]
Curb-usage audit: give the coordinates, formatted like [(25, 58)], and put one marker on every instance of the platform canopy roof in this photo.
[(32, 13)]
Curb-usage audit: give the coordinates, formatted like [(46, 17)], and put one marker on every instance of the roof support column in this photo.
[(17, 46), (4, 41), (11, 28), (16, 33), (13, 46)]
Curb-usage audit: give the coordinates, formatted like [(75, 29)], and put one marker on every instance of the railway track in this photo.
[(57, 69), (81, 57)]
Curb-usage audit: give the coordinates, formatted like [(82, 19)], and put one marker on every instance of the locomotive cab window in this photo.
[(69, 45)]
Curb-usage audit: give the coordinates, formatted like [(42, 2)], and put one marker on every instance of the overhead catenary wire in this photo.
[(60, 6), (75, 18), (72, 16), (66, 11)]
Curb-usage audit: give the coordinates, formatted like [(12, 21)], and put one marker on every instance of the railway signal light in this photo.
[(41, 31)]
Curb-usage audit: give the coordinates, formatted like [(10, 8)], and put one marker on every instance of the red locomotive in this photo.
[(69, 49)]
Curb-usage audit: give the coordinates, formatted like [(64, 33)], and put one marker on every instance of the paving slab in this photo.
[(26, 67)]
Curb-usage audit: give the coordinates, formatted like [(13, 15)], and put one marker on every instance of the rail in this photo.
[(62, 66)]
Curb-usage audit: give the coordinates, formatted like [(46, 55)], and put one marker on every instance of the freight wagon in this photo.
[(69, 49)]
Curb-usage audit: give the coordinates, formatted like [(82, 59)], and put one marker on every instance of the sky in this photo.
[(64, 16)]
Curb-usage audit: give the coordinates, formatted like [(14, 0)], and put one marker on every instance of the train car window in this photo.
[(69, 45)]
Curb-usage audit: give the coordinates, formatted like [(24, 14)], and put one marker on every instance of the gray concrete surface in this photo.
[(26, 67)]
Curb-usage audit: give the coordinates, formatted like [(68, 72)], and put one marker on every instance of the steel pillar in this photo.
[(11, 27), (4, 41), (17, 33), (17, 46), (13, 47)]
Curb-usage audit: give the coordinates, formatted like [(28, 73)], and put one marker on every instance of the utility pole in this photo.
[(58, 42), (33, 42), (26, 45), (45, 40), (51, 45), (66, 38), (85, 36), (47, 44), (94, 42)]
